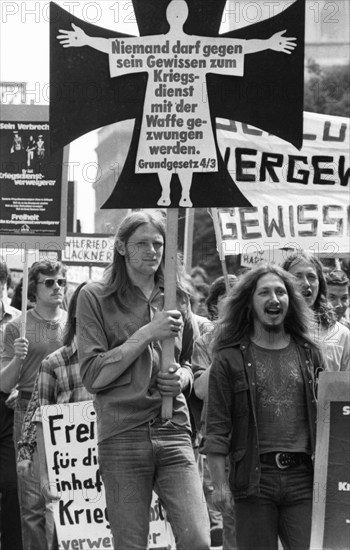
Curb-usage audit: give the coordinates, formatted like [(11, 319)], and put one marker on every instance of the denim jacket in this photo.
[(231, 417)]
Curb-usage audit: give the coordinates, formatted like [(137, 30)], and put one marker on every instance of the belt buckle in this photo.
[(278, 462)]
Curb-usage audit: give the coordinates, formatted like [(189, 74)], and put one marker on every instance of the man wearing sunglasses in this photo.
[(19, 366)]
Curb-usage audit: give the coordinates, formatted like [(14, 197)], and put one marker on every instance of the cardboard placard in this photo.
[(88, 249), (80, 515), (33, 183), (174, 80), (331, 504)]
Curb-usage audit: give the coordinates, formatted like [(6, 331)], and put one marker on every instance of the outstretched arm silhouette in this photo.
[(78, 38)]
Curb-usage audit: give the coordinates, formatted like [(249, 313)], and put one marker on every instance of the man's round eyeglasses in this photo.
[(50, 282)]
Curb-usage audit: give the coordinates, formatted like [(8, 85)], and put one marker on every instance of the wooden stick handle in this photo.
[(216, 223), (24, 292), (169, 297)]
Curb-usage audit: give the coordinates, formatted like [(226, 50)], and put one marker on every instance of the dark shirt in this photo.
[(280, 400), (232, 427)]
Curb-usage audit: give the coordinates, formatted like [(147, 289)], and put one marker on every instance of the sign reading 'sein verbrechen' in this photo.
[(33, 195)]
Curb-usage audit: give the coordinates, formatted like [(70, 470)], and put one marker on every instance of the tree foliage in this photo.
[(204, 245), (327, 90)]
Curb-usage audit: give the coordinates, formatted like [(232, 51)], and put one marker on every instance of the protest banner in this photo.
[(88, 248), (301, 199), (80, 514), (33, 183), (331, 503), (174, 80), (168, 79)]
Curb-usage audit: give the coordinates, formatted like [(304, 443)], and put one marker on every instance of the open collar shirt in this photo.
[(133, 398)]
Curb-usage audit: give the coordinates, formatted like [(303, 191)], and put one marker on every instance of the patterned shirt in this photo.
[(7, 314), (58, 381), (281, 409)]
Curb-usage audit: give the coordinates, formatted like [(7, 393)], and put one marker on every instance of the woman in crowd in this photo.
[(329, 334)]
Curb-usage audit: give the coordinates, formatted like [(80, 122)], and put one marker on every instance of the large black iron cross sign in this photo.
[(180, 72)]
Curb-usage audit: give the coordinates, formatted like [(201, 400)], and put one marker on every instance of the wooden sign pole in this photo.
[(188, 241), (24, 291), (215, 218), (169, 297)]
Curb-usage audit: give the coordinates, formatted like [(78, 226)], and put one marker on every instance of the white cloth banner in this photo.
[(300, 199)]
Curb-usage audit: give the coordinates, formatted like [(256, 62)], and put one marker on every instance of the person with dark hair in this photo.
[(58, 381), (16, 300), (199, 276), (326, 331), (20, 363), (121, 328), (202, 292), (10, 521), (217, 293), (262, 411), (201, 357), (338, 294), (222, 524)]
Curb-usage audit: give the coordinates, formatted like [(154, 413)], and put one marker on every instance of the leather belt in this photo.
[(284, 460)]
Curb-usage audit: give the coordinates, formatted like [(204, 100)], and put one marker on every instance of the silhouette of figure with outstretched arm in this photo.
[(176, 132)]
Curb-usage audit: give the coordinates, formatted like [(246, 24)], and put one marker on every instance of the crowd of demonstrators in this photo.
[(58, 381), (121, 328), (262, 411), (222, 524), (200, 284), (16, 300), (242, 379), (20, 362), (332, 336), (10, 522)]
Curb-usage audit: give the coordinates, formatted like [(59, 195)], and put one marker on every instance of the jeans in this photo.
[(38, 530), (283, 509), (155, 456), (227, 521), (10, 520)]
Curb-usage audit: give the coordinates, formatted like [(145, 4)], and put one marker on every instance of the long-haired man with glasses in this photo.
[(20, 363)]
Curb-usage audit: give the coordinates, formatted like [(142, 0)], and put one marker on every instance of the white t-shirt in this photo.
[(335, 345)]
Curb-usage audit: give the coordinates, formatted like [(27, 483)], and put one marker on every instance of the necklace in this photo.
[(52, 323)]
